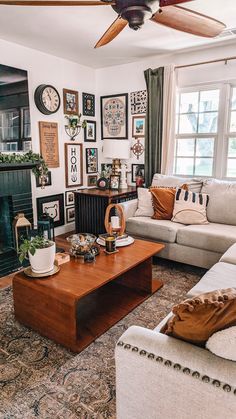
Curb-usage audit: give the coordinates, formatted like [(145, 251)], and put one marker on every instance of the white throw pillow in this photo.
[(223, 343), (190, 207), (145, 208), (194, 185)]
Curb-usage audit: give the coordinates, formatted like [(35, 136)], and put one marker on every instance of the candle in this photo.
[(115, 222)]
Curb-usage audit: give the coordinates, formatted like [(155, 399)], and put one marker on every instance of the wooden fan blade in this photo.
[(186, 20), (116, 27), (56, 3), (164, 3)]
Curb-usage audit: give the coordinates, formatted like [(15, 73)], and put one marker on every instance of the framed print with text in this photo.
[(73, 165)]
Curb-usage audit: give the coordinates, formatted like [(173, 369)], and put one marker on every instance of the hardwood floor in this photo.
[(6, 281)]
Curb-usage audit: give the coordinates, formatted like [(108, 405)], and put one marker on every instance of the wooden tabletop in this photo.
[(79, 279), (107, 192)]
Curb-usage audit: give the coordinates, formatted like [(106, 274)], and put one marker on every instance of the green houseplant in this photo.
[(40, 252)]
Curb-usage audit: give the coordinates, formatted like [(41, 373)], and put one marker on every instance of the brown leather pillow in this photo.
[(197, 318), (163, 200)]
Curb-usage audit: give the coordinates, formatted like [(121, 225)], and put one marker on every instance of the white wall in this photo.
[(47, 69)]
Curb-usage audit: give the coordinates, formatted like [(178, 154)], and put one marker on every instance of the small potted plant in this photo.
[(40, 252), (74, 125)]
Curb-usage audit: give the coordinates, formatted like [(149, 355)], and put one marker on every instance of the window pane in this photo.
[(185, 147), (203, 167), (189, 102), (205, 147), (233, 122), (231, 169), (232, 147), (184, 166), (188, 123), (208, 122), (209, 100), (234, 98)]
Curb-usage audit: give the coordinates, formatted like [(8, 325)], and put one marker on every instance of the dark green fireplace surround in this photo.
[(15, 197)]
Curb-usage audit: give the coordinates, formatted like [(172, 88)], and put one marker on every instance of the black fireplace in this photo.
[(15, 197)]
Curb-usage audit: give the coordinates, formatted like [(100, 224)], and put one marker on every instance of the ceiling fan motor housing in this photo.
[(136, 11)]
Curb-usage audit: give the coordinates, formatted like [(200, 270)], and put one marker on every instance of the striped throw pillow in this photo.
[(190, 207)]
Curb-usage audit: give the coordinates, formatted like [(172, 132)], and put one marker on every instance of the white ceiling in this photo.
[(71, 32)]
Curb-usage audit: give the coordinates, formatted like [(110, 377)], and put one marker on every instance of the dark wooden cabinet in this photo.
[(91, 204)]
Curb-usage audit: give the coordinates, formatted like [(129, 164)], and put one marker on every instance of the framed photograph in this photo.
[(114, 182), (137, 169), (53, 206), (138, 129), (70, 198), (91, 160), (90, 131), (48, 180), (70, 214), (73, 165), (114, 116), (92, 180), (106, 167), (88, 104), (70, 102)]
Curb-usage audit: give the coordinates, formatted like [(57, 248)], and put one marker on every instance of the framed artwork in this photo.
[(106, 167), (53, 206), (91, 160), (92, 180), (70, 198), (48, 181), (114, 182), (73, 165), (88, 104), (49, 148), (90, 131), (114, 116), (70, 214), (136, 170), (138, 102), (70, 102), (138, 128)]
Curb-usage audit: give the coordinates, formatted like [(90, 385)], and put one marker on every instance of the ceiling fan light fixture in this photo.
[(136, 15)]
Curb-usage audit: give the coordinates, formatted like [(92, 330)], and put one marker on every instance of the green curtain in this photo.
[(154, 122)]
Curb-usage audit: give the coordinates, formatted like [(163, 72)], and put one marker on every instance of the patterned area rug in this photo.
[(39, 379)]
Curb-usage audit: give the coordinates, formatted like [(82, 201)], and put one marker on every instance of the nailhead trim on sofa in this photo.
[(185, 370)]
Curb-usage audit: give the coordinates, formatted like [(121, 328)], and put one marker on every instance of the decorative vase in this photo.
[(43, 259)]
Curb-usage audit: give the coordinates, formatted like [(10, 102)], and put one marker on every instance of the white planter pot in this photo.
[(43, 259)]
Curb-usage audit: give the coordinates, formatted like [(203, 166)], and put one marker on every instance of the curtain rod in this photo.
[(225, 60)]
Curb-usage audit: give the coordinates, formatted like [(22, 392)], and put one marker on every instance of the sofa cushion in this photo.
[(221, 275), (163, 230), (194, 185), (196, 319), (222, 202), (213, 237), (230, 255), (190, 207)]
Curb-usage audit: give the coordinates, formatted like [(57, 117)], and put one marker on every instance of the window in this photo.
[(206, 132), (15, 130)]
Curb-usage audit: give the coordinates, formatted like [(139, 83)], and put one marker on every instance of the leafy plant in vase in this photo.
[(74, 125), (40, 252)]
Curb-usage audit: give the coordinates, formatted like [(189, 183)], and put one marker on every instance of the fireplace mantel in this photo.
[(6, 167)]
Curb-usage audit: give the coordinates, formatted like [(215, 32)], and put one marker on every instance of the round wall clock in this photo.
[(47, 99)]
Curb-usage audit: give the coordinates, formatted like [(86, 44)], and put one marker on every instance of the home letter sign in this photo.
[(73, 165)]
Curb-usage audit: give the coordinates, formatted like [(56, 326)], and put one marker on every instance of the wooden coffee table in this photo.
[(82, 301)]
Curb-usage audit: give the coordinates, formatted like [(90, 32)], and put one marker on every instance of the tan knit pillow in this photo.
[(197, 318)]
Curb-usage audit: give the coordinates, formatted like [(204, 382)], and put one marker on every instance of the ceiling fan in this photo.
[(135, 12)]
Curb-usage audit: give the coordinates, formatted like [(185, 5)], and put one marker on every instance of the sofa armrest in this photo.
[(129, 208), (230, 255), (160, 377)]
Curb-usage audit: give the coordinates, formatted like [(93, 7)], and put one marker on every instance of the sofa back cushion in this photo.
[(222, 203), (196, 319), (145, 208), (194, 185)]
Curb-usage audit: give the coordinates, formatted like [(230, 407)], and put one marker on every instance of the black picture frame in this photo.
[(48, 181), (68, 201), (103, 183), (91, 160), (112, 185), (105, 134), (105, 166), (90, 137), (68, 217), (55, 206), (88, 100), (134, 169)]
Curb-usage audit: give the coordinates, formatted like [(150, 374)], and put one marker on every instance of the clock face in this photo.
[(47, 99)]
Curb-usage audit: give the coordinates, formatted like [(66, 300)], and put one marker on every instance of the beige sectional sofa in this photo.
[(160, 377), (199, 245)]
